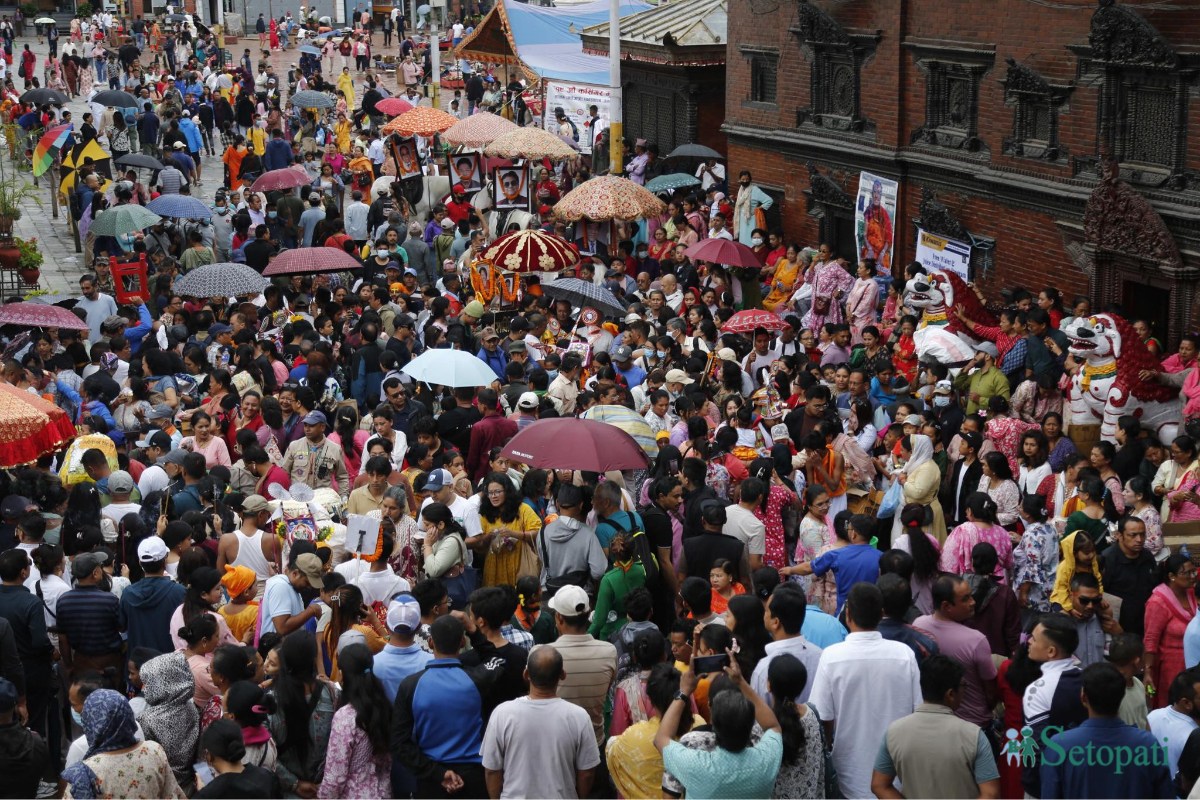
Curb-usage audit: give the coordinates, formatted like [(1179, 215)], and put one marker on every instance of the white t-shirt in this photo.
[(381, 586), (457, 30), (79, 747), (540, 745), (279, 599), (117, 511), (742, 524)]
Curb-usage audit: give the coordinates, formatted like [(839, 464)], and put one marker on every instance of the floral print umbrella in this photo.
[(607, 198), (531, 251), (421, 121), (530, 143)]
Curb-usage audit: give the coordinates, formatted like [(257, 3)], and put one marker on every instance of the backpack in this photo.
[(640, 544), (574, 128)]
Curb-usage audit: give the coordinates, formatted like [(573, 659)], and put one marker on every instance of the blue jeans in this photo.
[(101, 65), (141, 40)]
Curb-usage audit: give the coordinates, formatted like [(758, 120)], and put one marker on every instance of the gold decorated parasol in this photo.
[(421, 121), (530, 143), (532, 251), (30, 427), (479, 130), (608, 198)]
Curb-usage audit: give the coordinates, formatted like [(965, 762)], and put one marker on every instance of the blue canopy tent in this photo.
[(544, 42)]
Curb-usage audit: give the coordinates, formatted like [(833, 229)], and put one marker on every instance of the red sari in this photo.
[(905, 358)]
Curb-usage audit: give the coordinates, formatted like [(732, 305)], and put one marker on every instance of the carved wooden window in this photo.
[(835, 89), (1036, 104), (953, 74), (1148, 113), (764, 72)]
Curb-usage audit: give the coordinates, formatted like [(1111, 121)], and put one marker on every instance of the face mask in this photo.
[(660, 354), (272, 214), (222, 209), (941, 400), (75, 715), (643, 253), (743, 183), (756, 241), (553, 373)]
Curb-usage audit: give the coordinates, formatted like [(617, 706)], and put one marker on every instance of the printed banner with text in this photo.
[(574, 99), (936, 252)]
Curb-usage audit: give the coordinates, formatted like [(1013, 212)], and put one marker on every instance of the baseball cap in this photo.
[(487, 334), (217, 328), (438, 479), (85, 563), (912, 419), (175, 457), (160, 439), (727, 354), (160, 411), (517, 346), (458, 188), (152, 548), (310, 565), (180, 146), (528, 401), (570, 601), (989, 348), (255, 504), (8, 696), (474, 309), (15, 505), (943, 387), (622, 353), (447, 224), (120, 482), (679, 376), (315, 418), (780, 432), (404, 612), (631, 318), (519, 324)]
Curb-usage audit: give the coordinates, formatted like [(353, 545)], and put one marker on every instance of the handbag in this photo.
[(463, 581), (821, 304), (892, 500), (529, 566)]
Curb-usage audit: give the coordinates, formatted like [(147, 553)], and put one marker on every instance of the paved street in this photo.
[(64, 264)]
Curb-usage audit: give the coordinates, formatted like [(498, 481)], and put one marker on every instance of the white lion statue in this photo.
[(940, 337)]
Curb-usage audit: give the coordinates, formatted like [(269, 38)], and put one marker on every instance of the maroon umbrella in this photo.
[(308, 260), (746, 321), (571, 443), (37, 315), (724, 251), (277, 179)]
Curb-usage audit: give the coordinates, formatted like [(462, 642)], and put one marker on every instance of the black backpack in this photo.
[(641, 546)]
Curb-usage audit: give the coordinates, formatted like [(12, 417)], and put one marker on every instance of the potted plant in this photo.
[(29, 262), (14, 190)]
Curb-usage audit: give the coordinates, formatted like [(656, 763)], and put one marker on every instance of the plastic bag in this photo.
[(892, 500)]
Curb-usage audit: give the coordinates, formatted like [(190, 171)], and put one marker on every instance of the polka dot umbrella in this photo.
[(421, 121), (606, 198), (532, 251)]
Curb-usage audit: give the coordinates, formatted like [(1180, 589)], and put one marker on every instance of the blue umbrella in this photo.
[(180, 206), (308, 49), (671, 182)]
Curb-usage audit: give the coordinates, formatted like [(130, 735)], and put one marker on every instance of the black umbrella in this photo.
[(176, 18), (115, 99), (694, 151), (42, 96), (138, 160)]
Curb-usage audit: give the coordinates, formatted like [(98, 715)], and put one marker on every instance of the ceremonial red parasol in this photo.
[(30, 427), (308, 260), (277, 179), (724, 251), (37, 315), (532, 251), (571, 443), (746, 321)]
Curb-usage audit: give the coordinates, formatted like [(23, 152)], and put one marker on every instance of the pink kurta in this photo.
[(827, 280), (862, 306), (1166, 621)]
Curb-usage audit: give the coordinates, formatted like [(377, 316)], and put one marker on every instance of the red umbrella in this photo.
[(37, 315), (724, 251), (276, 179), (30, 427), (571, 443), (393, 106), (532, 251), (307, 260), (747, 321)]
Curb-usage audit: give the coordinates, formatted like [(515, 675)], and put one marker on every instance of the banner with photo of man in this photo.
[(874, 220), (465, 168), (512, 187)]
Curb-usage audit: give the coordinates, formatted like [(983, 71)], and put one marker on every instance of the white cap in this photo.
[(679, 376), (528, 401), (727, 354), (404, 612), (152, 549), (570, 601)]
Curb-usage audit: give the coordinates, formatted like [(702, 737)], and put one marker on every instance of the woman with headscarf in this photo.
[(921, 479), (116, 764), (171, 717)]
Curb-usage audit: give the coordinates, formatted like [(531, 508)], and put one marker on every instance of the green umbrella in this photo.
[(669, 183), (121, 220)]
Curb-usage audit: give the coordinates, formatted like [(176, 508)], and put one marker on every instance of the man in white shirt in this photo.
[(710, 174), (356, 218), (120, 486), (784, 618), (717, 229), (440, 486), (1173, 724), (863, 685), (741, 523)]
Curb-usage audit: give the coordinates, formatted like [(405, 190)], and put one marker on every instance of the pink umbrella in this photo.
[(308, 260), (393, 106), (746, 321), (276, 179), (36, 315), (724, 251), (571, 443)]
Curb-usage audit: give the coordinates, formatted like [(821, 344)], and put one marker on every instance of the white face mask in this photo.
[(756, 241)]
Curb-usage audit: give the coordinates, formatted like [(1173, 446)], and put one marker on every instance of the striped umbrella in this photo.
[(421, 121), (49, 146), (532, 251), (629, 421), (221, 280), (179, 206), (121, 220), (479, 130)]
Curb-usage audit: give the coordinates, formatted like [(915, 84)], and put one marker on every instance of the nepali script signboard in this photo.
[(874, 220), (938, 252), (574, 99)]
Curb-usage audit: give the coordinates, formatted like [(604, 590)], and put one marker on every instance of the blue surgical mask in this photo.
[(77, 717), (660, 354), (553, 373), (941, 400), (272, 214)]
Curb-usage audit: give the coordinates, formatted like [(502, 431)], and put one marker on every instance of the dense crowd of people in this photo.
[(845, 572)]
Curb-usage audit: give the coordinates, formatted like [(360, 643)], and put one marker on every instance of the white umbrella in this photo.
[(45, 21), (454, 368), (382, 184)]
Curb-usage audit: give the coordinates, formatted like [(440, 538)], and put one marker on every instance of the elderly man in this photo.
[(315, 460)]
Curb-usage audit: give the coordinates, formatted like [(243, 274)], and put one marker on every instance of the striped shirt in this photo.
[(590, 665), (88, 616)]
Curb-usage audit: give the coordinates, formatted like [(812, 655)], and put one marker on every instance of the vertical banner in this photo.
[(874, 220), (574, 99), (937, 252)]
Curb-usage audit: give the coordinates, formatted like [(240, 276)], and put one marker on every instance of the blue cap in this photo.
[(315, 418)]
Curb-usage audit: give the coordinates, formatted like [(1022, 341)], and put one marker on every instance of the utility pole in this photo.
[(616, 133), (435, 62)]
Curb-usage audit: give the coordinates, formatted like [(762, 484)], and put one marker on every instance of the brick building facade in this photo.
[(1061, 138)]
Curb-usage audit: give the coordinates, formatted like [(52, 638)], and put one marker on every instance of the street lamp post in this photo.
[(616, 135)]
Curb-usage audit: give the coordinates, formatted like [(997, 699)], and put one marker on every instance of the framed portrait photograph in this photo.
[(512, 187), (465, 168), (408, 161)]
